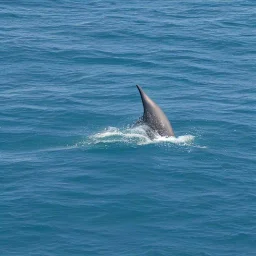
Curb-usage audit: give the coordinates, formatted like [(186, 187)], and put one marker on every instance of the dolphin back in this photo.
[(154, 116)]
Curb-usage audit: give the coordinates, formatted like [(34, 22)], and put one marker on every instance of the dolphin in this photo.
[(154, 117)]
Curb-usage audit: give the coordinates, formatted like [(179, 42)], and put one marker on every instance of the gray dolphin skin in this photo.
[(154, 117)]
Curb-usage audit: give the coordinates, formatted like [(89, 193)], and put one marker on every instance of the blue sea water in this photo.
[(77, 178)]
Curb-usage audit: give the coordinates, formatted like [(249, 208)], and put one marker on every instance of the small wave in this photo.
[(137, 135)]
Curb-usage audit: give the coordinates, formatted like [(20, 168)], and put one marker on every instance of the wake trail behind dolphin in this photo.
[(136, 135)]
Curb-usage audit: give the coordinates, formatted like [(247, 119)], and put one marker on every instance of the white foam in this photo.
[(137, 135)]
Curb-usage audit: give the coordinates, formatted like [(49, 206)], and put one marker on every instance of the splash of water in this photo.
[(137, 135)]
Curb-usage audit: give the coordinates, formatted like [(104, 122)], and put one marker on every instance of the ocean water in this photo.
[(77, 178)]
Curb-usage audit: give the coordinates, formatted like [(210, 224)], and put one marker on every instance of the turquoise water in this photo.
[(77, 178)]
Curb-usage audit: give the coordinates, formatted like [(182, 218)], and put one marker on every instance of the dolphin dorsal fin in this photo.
[(154, 116)]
